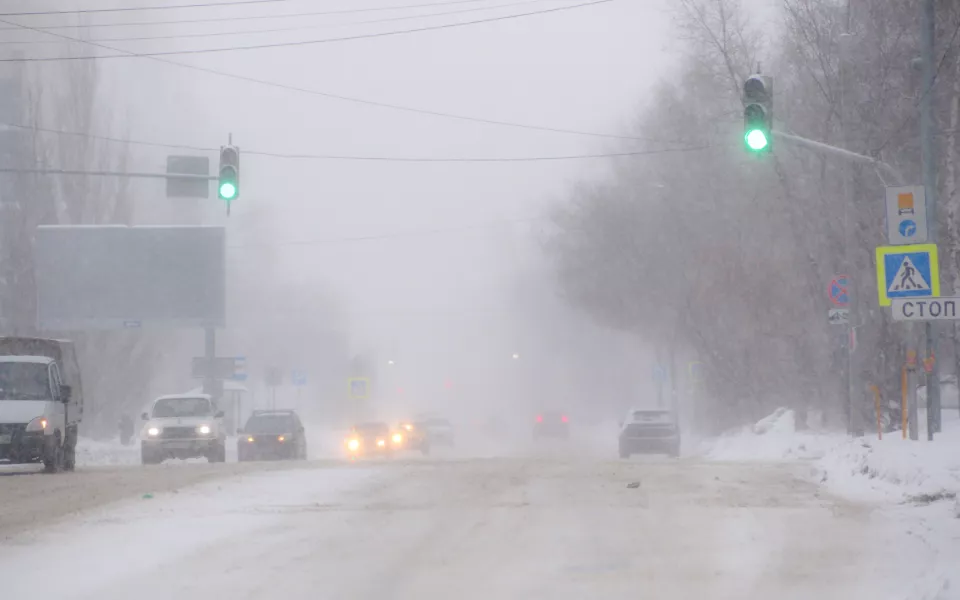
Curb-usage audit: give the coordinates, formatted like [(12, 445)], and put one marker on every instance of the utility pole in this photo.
[(849, 260), (929, 162)]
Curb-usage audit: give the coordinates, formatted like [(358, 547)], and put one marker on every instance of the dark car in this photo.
[(650, 432), (551, 424), (369, 439), (272, 434)]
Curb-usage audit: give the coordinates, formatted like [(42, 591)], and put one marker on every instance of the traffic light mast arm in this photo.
[(878, 164)]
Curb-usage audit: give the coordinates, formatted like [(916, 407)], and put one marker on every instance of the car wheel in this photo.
[(219, 454), (425, 449), (624, 453), (53, 455), (70, 450)]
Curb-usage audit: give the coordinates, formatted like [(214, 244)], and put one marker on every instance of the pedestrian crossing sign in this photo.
[(907, 272)]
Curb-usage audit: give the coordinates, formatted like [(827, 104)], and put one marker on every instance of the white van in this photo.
[(41, 402)]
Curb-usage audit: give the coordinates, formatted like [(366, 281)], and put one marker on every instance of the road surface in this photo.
[(526, 528)]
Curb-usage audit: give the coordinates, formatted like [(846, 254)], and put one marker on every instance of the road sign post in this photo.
[(358, 388)]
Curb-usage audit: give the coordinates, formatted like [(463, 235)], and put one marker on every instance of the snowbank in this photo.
[(894, 468), (101, 453), (772, 438)]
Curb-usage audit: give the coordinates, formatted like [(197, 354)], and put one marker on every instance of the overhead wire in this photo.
[(86, 11), (346, 157), (333, 96), (300, 43), (180, 36), (231, 18)]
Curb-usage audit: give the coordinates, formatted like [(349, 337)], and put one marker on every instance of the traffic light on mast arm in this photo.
[(228, 186), (758, 113)]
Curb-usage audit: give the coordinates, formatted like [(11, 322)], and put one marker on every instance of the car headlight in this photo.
[(38, 424), (204, 430), (281, 438), (381, 443), (250, 439), (153, 431), (397, 438), (353, 444), (408, 426)]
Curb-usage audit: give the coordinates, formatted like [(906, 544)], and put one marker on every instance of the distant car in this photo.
[(648, 431), (551, 424), (439, 431), (411, 436), (370, 439), (183, 426), (272, 434)]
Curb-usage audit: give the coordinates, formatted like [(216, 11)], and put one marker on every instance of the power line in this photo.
[(86, 11), (332, 96), (275, 29), (223, 19), (305, 42), (360, 158)]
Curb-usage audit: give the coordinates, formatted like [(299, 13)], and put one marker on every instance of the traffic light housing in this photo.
[(228, 185), (758, 113)]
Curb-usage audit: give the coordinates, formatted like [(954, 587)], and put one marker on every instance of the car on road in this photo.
[(41, 402), (438, 431), (411, 436), (370, 439), (272, 434), (183, 426), (551, 424), (649, 431)]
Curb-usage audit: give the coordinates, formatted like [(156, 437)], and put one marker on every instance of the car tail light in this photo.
[(539, 418), (564, 419)]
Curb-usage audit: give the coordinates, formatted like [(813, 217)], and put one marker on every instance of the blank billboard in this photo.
[(109, 277)]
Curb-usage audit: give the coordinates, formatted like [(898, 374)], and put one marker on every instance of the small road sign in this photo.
[(659, 373), (359, 388), (907, 272), (838, 290), (239, 368), (839, 316), (906, 215), (298, 378), (925, 309)]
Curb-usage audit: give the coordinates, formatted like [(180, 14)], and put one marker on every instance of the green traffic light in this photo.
[(228, 190), (756, 139)]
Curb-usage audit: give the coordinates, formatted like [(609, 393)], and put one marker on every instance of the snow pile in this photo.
[(100, 453), (772, 438), (894, 468)]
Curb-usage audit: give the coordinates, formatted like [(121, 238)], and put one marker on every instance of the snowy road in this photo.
[(491, 528)]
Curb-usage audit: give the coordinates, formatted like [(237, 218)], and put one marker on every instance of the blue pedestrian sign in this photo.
[(907, 272), (359, 388)]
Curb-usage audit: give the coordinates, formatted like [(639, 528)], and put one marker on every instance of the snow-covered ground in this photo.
[(912, 483)]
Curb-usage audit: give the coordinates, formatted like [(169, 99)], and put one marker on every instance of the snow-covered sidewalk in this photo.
[(914, 483)]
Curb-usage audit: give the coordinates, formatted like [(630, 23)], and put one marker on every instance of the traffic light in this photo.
[(758, 113), (228, 186)]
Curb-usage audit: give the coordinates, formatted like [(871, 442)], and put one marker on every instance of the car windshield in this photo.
[(182, 407), (270, 424), (24, 381), (651, 416)]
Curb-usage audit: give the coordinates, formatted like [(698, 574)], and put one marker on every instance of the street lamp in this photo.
[(390, 362), (516, 356)]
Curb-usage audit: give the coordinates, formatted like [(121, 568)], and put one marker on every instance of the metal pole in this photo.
[(912, 384), (844, 154), (210, 353), (848, 237), (928, 157)]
